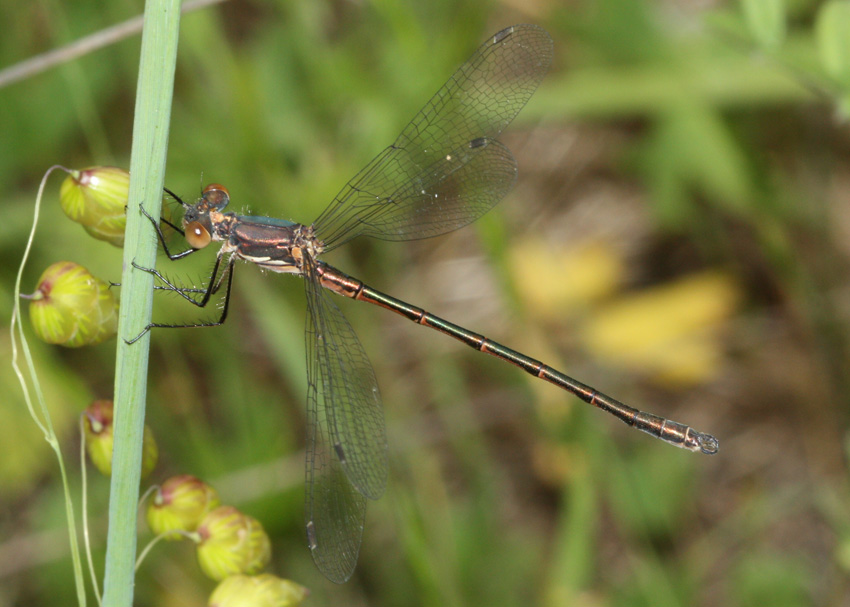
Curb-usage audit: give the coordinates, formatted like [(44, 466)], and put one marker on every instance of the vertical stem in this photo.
[(147, 168)]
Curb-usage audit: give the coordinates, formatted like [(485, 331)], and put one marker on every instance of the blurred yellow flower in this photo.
[(563, 283), (669, 331)]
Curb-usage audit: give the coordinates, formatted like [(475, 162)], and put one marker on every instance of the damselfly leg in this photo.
[(214, 283)]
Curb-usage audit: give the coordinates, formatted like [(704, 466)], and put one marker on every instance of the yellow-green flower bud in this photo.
[(180, 504), (232, 542), (96, 198), (72, 308), (150, 452), (264, 590), (97, 426)]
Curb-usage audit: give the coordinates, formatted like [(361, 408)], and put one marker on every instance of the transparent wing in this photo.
[(445, 169), (346, 438)]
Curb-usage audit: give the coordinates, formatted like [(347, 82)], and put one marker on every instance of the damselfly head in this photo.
[(197, 223)]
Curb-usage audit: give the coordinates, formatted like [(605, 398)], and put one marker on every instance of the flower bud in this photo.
[(98, 430), (180, 504), (72, 308), (97, 198), (265, 590), (232, 542)]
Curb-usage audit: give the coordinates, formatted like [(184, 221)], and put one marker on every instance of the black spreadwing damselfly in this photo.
[(445, 170)]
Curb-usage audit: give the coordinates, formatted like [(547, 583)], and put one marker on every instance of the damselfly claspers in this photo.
[(444, 171)]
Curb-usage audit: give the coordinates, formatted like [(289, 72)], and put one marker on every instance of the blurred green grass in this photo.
[(659, 134)]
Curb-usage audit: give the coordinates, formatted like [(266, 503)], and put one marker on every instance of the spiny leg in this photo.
[(211, 289), (155, 223)]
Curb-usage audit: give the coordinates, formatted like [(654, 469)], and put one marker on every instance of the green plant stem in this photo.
[(42, 416), (147, 172), (85, 512)]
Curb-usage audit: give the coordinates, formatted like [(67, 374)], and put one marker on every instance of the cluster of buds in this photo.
[(232, 547), (70, 307)]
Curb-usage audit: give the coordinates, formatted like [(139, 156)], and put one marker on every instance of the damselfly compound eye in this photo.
[(216, 196), (213, 187), (197, 235)]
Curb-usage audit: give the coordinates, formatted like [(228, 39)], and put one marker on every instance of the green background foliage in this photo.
[(671, 142)]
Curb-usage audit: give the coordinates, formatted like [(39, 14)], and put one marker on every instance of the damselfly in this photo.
[(445, 170)]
